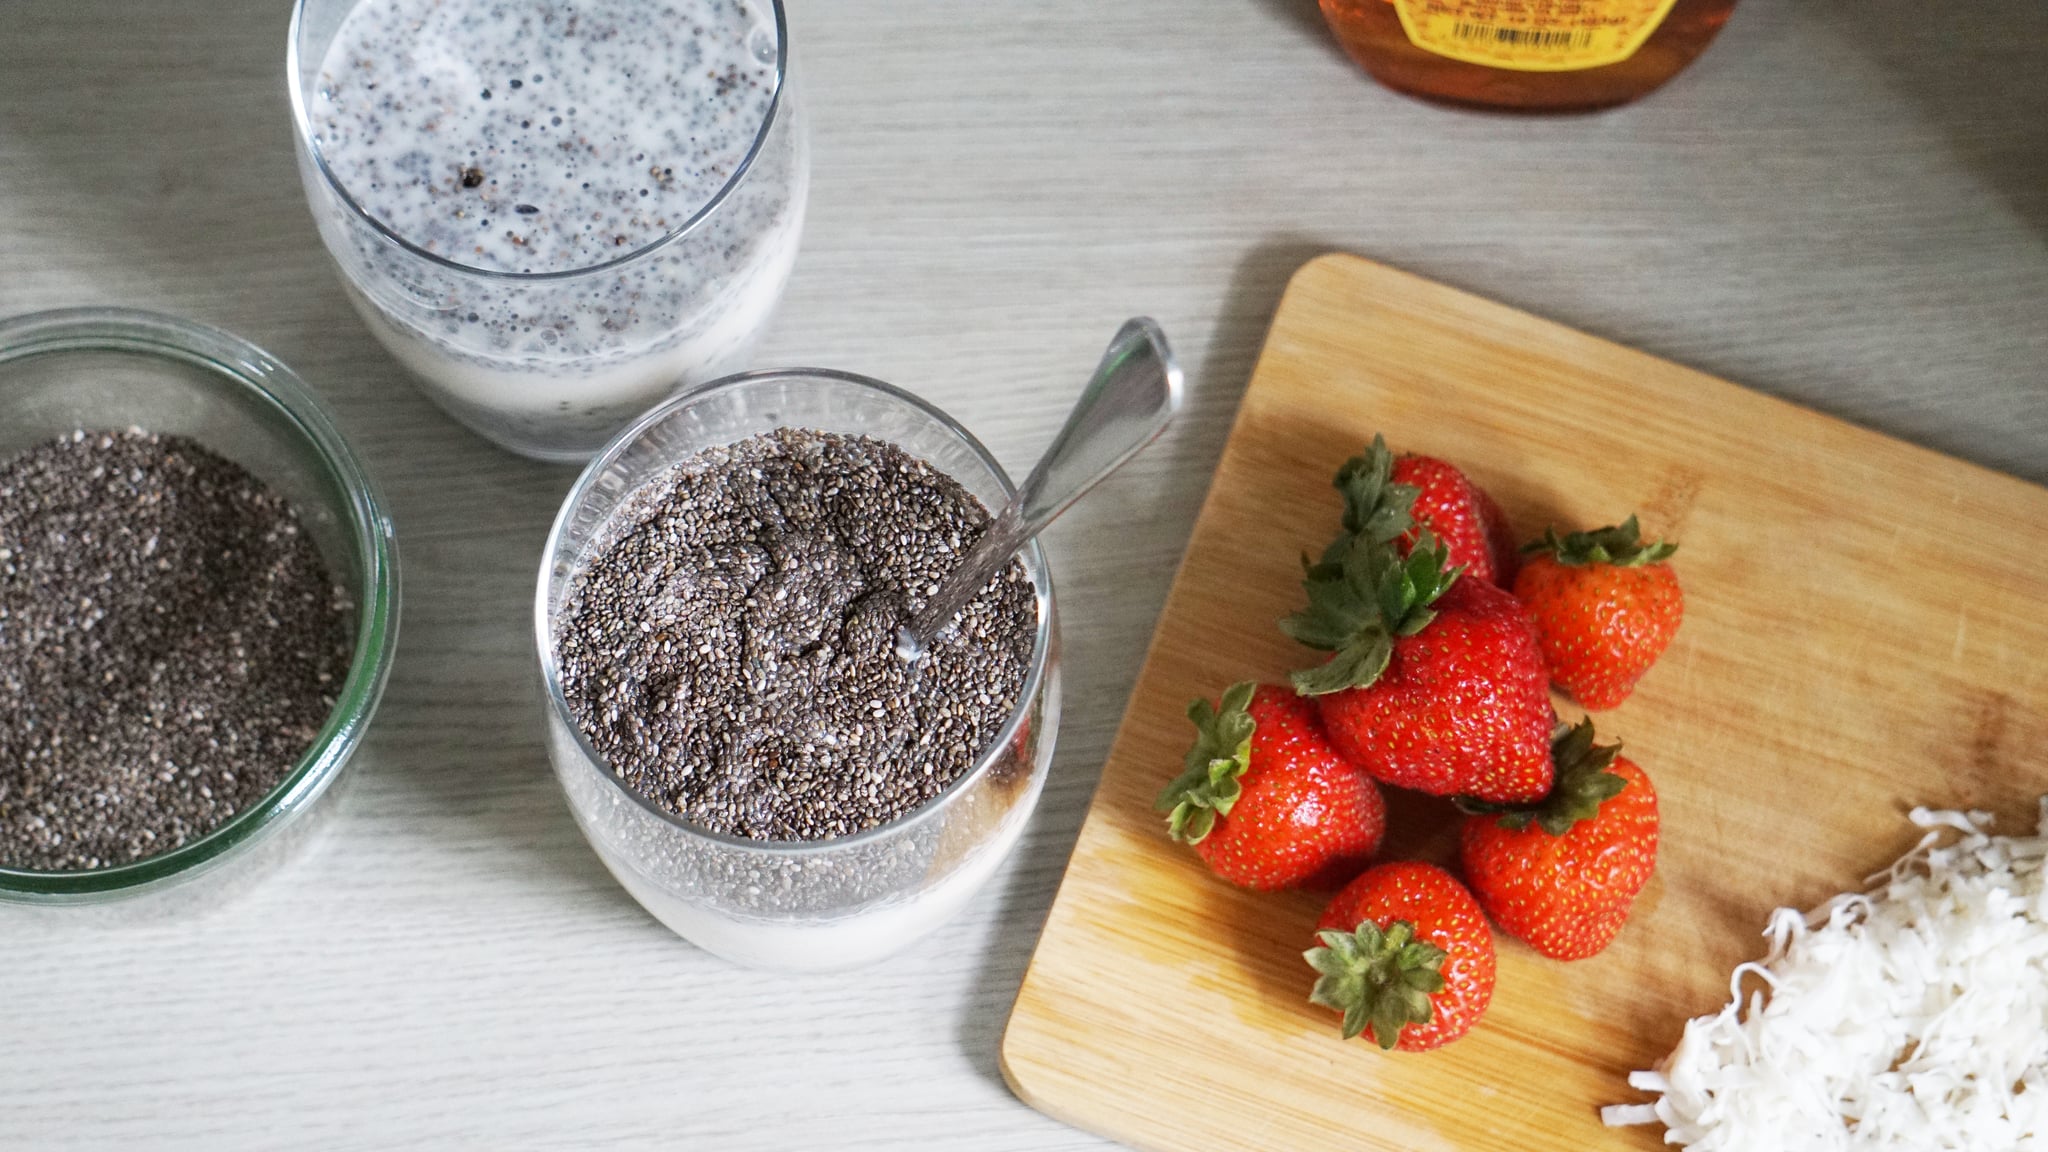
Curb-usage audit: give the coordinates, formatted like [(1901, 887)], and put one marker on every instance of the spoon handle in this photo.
[(1134, 395)]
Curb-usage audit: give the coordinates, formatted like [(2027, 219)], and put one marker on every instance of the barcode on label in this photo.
[(1525, 37)]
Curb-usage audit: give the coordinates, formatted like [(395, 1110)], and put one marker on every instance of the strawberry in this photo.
[(1563, 874), (1404, 950), (1605, 606), (1457, 512), (1436, 684), (1394, 498), (1265, 799)]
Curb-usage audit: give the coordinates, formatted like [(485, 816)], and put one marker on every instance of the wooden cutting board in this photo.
[(1866, 630)]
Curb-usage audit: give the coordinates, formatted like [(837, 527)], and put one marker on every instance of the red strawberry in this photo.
[(1436, 684), (1391, 498), (1405, 951), (1562, 875), (1605, 606), (1455, 510), (1266, 801)]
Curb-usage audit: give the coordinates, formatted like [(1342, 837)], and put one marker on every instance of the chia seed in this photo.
[(170, 645), (729, 647), (647, 114), (402, 124)]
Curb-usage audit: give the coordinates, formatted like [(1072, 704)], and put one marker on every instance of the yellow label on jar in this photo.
[(1533, 35)]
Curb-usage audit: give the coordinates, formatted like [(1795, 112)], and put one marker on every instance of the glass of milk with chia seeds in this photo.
[(703, 754), (553, 213)]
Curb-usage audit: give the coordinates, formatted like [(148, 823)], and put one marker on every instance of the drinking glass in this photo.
[(572, 355), (804, 905)]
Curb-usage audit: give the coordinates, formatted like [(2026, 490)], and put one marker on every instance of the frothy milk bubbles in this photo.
[(554, 213)]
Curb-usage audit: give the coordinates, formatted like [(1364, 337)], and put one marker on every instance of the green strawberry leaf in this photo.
[(1326, 959), (1374, 505), (1390, 1015), (1358, 663), (1381, 978), (1408, 587), (1343, 601), (1416, 967), (1211, 777), (1358, 604), (1619, 545)]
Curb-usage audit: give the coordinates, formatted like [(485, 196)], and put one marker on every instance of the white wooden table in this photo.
[(1845, 202)]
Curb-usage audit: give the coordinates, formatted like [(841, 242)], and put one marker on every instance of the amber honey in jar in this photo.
[(1539, 55)]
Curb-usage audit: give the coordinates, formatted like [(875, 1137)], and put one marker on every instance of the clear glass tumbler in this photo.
[(809, 905), (551, 364), (97, 368)]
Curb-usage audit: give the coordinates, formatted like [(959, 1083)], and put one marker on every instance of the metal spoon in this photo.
[(1134, 395)]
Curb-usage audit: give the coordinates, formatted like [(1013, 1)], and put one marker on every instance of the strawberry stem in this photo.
[(1620, 545), (1359, 604), (1381, 977), (1209, 785), (1375, 506)]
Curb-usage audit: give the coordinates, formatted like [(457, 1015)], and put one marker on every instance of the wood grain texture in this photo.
[(1863, 634), (1842, 202)]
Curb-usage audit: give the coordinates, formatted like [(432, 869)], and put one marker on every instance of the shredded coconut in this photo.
[(1914, 1016)]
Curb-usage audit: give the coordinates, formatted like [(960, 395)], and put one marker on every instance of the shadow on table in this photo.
[(1307, 17), (161, 131), (156, 142), (462, 726), (1974, 72), (1102, 655)]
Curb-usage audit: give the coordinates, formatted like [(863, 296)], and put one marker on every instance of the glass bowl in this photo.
[(802, 905), (697, 298), (98, 368)]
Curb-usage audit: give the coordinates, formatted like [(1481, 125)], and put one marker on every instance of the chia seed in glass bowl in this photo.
[(270, 506), (715, 622)]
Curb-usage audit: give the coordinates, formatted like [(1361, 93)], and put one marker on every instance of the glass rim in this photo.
[(302, 125), (1032, 554), (281, 390)]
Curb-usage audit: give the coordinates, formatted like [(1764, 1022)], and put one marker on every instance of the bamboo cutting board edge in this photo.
[(1083, 1099)]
